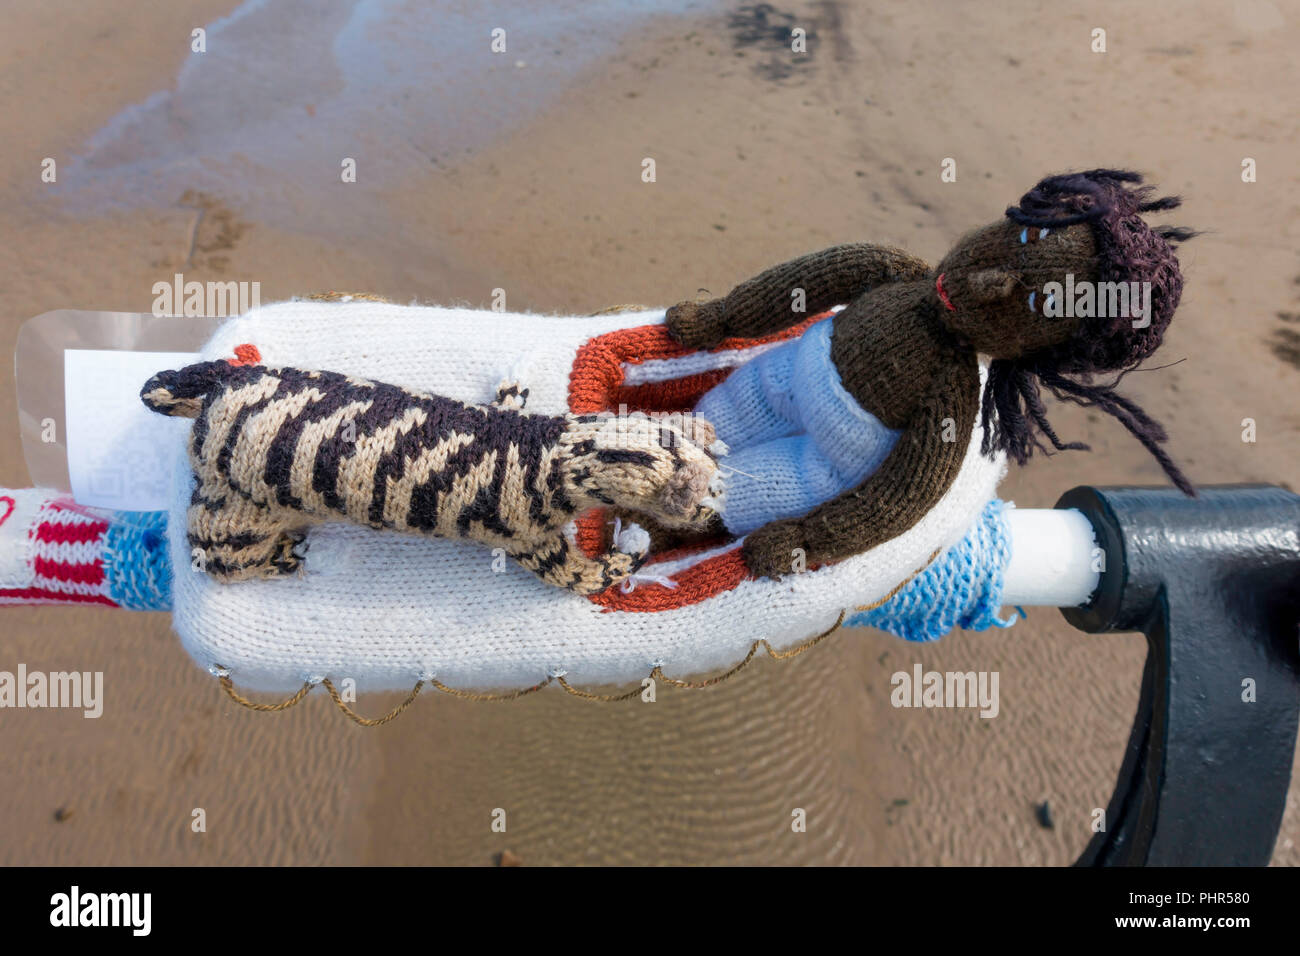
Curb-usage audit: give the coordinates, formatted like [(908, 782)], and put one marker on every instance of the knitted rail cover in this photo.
[(961, 588), (387, 610), (57, 552), (54, 551)]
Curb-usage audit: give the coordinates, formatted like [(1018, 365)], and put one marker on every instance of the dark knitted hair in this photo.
[(1128, 250)]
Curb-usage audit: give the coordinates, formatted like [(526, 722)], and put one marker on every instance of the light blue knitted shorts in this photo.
[(797, 438)]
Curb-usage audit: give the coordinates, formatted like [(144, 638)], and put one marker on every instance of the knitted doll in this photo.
[(845, 437), (278, 450)]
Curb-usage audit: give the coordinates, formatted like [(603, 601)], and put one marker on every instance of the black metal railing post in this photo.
[(1214, 584)]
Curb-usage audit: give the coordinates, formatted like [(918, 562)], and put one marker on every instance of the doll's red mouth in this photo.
[(943, 296)]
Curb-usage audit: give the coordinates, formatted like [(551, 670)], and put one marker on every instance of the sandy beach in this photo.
[(759, 157)]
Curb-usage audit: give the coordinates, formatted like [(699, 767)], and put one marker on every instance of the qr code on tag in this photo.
[(120, 454)]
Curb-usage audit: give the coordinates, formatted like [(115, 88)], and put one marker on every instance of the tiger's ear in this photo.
[(180, 393)]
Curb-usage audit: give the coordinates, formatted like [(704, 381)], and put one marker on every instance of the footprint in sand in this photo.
[(216, 230), (1285, 340)]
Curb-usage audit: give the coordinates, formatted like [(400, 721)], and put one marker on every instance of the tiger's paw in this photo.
[(511, 396), (631, 540)]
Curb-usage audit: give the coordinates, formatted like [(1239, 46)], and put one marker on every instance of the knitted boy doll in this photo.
[(847, 436)]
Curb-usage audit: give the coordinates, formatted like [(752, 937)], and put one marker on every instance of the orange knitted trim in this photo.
[(672, 395), (697, 583), (246, 354), (589, 534), (597, 384), (695, 547)]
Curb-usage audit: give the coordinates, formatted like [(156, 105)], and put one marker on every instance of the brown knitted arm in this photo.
[(908, 484), (765, 304)]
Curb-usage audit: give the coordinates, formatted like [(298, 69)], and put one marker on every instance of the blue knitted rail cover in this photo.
[(961, 588), (137, 566)]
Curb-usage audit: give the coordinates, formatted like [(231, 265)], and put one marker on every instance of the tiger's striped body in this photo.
[(276, 450)]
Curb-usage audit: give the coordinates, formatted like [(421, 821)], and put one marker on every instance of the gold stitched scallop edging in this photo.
[(228, 685), (615, 309), (333, 296), (901, 584)]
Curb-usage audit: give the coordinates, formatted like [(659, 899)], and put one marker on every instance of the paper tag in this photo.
[(120, 454)]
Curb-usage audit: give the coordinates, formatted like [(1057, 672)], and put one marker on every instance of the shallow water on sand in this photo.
[(287, 90)]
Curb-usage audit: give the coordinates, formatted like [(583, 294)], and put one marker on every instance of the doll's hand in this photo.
[(776, 549), (697, 325)]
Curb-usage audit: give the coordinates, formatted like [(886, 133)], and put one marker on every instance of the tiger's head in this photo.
[(661, 465)]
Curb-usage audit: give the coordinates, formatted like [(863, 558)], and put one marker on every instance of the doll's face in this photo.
[(990, 288)]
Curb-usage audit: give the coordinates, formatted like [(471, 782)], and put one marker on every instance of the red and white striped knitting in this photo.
[(51, 550)]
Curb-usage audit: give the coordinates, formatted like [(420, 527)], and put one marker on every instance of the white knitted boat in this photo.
[(387, 609)]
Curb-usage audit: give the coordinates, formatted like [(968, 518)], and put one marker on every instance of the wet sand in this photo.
[(758, 159)]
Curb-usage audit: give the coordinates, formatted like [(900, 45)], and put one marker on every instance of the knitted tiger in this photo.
[(276, 450)]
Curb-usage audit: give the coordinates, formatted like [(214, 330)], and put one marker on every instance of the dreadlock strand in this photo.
[(1107, 399), (1128, 413), (1033, 401)]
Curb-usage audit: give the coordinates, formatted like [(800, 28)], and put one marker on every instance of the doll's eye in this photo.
[(1027, 235)]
